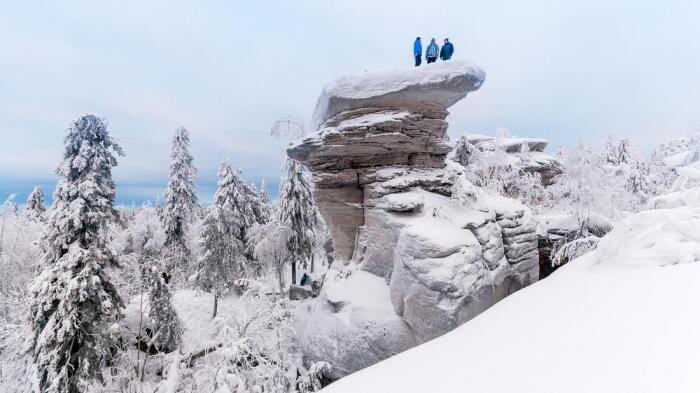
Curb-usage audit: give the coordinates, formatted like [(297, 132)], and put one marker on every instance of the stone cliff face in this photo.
[(419, 249), (374, 121)]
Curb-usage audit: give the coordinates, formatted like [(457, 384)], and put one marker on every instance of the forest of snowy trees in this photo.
[(91, 294), (88, 292)]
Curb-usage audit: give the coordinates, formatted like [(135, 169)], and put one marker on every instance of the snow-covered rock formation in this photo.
[(533, 159), (621, 318), (421, 250)]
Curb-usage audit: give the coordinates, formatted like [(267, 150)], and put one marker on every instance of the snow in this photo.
[(372, 118), (676, 199), (361, 288), (372, 85), (511, 144), (660, 236), (619, 319), (682, 158), (194, 310), (691, 171)]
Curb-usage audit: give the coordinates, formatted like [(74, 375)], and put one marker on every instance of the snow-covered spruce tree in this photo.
[(624, 162), (234, 211), (265, 202), (180, 200), (263, 195), (165, 325), (296, 209), (73, 303), (35, 203), (463, 151)]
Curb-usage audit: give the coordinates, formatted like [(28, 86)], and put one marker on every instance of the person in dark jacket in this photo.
[(431, 53), (447, 50), (417, 50)]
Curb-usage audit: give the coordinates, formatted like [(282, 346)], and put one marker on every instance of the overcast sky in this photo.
[(561, 70)]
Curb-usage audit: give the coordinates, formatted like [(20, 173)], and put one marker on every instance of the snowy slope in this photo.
[(624, 318)]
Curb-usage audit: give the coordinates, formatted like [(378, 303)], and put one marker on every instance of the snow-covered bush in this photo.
[(491, 167), (586, 187), (567, 251), (252, 350), (625, 163), (268, 243), (669, 161), (19, 262)]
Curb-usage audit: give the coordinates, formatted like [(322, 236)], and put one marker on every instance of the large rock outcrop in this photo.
[(373, 121), (419, 249)]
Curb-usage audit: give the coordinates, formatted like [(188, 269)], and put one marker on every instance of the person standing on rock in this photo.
[(417, 50), (447, 50), (431, 53)]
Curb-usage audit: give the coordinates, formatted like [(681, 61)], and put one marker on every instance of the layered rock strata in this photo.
[(420, 249)]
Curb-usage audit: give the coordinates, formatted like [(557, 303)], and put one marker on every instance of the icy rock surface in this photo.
[(419, 249)]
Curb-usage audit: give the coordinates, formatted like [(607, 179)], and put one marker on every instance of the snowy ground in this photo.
[(623, 318)]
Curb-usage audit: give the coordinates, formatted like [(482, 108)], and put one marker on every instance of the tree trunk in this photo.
[(294, 272), (216, 304), (313, 257)]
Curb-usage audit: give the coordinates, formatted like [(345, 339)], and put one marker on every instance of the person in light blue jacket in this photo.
[(431, 53), (417, 50)]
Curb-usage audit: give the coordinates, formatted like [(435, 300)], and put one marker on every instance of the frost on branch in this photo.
[(573, 249)]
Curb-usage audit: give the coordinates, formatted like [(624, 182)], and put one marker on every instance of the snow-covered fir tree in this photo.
[(35, 203), (624, 162), (74, 305), (265, 201), (180, 199), (234, 211), (165, 325), (296, 209), (263, 194), (463, 150)]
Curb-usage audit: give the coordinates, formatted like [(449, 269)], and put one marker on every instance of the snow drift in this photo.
[(620, 319)]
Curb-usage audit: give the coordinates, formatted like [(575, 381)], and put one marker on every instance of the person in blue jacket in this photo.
[(431, 53), (447, 50), (417, 50)]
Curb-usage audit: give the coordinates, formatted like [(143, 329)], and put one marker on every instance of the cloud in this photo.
[(564, 70)]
